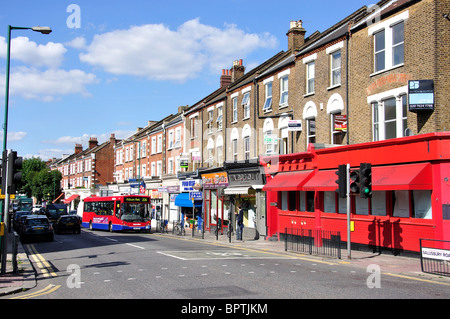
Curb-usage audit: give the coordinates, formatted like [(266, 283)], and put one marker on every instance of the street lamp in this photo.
[(43, 30)]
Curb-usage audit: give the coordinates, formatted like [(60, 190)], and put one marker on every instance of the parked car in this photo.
[(36, 227), (17, 216), (67, 223)]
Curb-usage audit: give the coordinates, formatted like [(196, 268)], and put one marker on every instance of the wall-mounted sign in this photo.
[(215, 180), (295, 125), (340, 123), (421, 95)]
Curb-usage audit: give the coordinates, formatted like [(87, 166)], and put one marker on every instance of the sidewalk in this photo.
[(24, 278)]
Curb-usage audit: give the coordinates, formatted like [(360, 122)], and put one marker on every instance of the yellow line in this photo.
[(47, 290), (43, 264), (419, 279)]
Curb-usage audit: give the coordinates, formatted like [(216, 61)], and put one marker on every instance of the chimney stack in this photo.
[(296, 35), (237, 71), (78, 148), (225, 78), (93, 142)]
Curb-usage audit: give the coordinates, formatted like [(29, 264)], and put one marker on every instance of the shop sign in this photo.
[(189, 185), (245, 178), (173, 189), (215, 180), (196, 156), (421, 95)]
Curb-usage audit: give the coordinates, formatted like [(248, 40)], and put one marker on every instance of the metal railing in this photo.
[(314, 242), (435, 256)]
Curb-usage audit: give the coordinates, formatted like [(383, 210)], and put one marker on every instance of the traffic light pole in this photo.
[(349, 250), (6, 220)]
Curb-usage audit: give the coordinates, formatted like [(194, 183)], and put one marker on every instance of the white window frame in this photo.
[(246, 104), (268, 85), (387, 27), (219, 119), (154, 145), (159, 145), (235, 112), (310, 77), (377, 103)]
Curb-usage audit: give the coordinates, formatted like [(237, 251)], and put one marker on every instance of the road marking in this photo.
[(47, 290), (418, 279), (135, 246), (44, 265)]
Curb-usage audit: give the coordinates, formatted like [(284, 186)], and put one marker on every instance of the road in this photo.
[(103, 265)]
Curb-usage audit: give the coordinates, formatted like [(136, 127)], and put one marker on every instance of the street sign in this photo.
[(195, 195)]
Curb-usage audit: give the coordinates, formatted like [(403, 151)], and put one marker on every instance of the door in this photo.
[(261, 213)]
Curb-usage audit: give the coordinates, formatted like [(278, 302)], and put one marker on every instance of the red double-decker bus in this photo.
[(117, 213)]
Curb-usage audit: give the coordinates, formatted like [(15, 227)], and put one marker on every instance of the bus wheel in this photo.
[(110, 227)]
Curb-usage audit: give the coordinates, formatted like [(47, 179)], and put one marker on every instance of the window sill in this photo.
[(386, 70), (309, 94), (333, 87)]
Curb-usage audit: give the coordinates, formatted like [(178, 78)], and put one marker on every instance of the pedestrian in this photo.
[(240, 223)]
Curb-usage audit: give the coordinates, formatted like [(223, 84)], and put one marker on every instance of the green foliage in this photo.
[(38, 181)]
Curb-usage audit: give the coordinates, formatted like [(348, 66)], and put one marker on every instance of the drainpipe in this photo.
[(347, 38)]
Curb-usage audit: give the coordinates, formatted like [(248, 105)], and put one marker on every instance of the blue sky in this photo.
[(110, 66)]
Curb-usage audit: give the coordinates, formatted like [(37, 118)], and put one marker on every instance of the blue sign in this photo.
[(195, 195)]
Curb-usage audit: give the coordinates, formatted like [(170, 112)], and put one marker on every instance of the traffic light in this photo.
[(355, 181), (14, 176), (342, 181), (4, 168), (366, 180)]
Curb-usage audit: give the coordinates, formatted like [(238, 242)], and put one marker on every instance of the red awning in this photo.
[(323, 181), (70, 199), (402, 177), (288, 181)]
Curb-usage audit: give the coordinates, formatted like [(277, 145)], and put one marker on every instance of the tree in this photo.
[(38, 181)]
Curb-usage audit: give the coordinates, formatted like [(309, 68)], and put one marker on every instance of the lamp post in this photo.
[(43, 30)]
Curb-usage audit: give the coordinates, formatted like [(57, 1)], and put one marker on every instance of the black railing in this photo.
[(314, 242), (435, 256)]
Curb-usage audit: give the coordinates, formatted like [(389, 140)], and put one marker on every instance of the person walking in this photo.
[(239, 223)]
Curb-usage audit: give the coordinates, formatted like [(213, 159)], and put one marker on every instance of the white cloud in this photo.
[(77, 43), (49, 55), (15, 136), (32, 83), (158, 53)]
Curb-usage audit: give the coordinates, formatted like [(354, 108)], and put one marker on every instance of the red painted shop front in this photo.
[(410, 198)]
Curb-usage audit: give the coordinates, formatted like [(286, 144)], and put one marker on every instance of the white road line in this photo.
[(135, 246)]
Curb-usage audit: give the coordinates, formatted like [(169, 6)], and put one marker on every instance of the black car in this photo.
[(17, 216), (36, 227), (67, 223)]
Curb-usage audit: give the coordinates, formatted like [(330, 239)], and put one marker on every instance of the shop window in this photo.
[(292, 198), (361, 206), (400, 203), (329, 202), (284, 201), (306, 202), (379, 204), (421, 201)]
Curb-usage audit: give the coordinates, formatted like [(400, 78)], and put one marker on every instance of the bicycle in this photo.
[(162, 227), (179, 230)]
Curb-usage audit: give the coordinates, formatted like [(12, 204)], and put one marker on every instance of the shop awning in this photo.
[(70, 199), (323, 181), (288, 181), (402, 177), (236, 190), (182, 200)]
